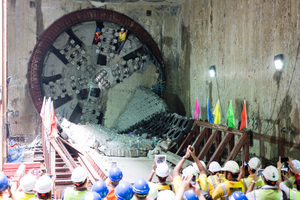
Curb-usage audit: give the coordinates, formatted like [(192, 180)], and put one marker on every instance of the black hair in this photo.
[(80, 184), (235, 176), (44, 195), (141, 196), (252, 170), (161, 179)]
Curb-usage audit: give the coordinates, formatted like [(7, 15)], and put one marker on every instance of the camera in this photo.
[(191, 148), (284, 159), (245, 163), (193, 181)]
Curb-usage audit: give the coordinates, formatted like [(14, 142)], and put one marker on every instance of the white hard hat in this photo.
[(79, 175), (196, 166), (214, 167), (44, 184), (122, 29), (270, 173), (296, 164), (190, 170), (162, 170), (153, 192), (231, 166), (254, 163), (166, 195), (27, 182)]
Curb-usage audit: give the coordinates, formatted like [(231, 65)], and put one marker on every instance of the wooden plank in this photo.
[(208, 145), (207, 136), (174, 159), (93, 175), (240, 143), (218, 153), (218, 142), (199, 139), (245, 156), (231, 144), (187, 139), (224, 129)]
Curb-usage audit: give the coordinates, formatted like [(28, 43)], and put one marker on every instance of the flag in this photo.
[(197, 110), (42, 113), (217, 114), (47, 114), (53, 127), (209, 117), (230, 117), (244, 121)]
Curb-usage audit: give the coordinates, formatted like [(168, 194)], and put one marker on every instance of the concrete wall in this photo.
[(239, 38)]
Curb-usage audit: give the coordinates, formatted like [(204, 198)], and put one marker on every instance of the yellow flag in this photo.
[(217, 114)]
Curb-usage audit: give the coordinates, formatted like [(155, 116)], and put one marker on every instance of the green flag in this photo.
[(230, 117)]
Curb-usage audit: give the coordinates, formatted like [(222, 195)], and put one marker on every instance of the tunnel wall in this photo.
[(240, 39)]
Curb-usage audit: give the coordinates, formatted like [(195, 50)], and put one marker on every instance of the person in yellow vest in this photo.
[(121, 39), (80, 180), (269, 190), (292, 194), (115, 175), (190, 151), (214, 169), (291, 178), (202, 178), (27, 184), (252, 167), (162, 172), (43, 188), (231, 172), (5, 192)]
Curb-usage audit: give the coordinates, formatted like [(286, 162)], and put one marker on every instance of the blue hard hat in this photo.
[(124, 191), (141, 186), (115, 174), (190, 195), (98, 29), (91, 196), (238, 195), (101, 188), (4, 182)]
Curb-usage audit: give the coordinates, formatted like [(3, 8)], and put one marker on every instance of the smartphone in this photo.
[(192, 148), (284, 159), (245, 163), (193, 181), (259, 172), (160, 159)]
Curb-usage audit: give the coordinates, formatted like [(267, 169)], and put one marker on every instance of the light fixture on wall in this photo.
[(279, 62), (212, 71)]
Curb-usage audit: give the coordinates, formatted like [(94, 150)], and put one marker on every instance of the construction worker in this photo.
[(115, 175), (252, 167), (238, 195), (27, 184), (141, 189), (4, 187), (121, 39), (294, 193), (101, 188), (269, 190), (291, 178), (79, 179), (153, 192), (231, 184), (43, 188), (162, 171), (188, 191), (91, 196), (124, 191), (166, 195), (205, 188), (214, 169)]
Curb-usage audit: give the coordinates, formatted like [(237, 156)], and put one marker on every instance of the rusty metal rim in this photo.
[(69, 20)]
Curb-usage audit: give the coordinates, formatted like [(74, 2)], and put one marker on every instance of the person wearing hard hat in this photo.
[(238, 195), (43, 187), (115, 175), (294, 193), (190, 151), (79, 178), (141, 189), (231, 172), (97, 36), (188, 191), (166, 195), (214, 169), (4, 187), (270, 176), (121, 39), (27, 184), (253, 165), (124, 191), (91, 196), (153, 192), (101, 188), (162, 172), (202, 178), (291, 175)]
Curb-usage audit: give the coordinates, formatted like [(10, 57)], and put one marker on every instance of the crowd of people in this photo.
[(230, 182)]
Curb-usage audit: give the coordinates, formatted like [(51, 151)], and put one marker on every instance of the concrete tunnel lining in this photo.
[(62, 26)]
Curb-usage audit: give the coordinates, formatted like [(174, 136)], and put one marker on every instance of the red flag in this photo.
[(244, 123), (53, 127), (197, 110)]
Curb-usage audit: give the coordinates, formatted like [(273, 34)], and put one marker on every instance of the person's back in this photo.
[(115, 176), (27, 185)]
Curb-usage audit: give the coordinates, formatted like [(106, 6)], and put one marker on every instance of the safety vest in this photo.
[(264, 193), (259, 183), (294, 194), (73, 194), (5, 198), (229, 187), (160, 187), (111, 193), (24, 196), (290, 182), (122, 37)]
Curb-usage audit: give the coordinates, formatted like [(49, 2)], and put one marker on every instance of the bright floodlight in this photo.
[(278, 61), (212, 71)]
